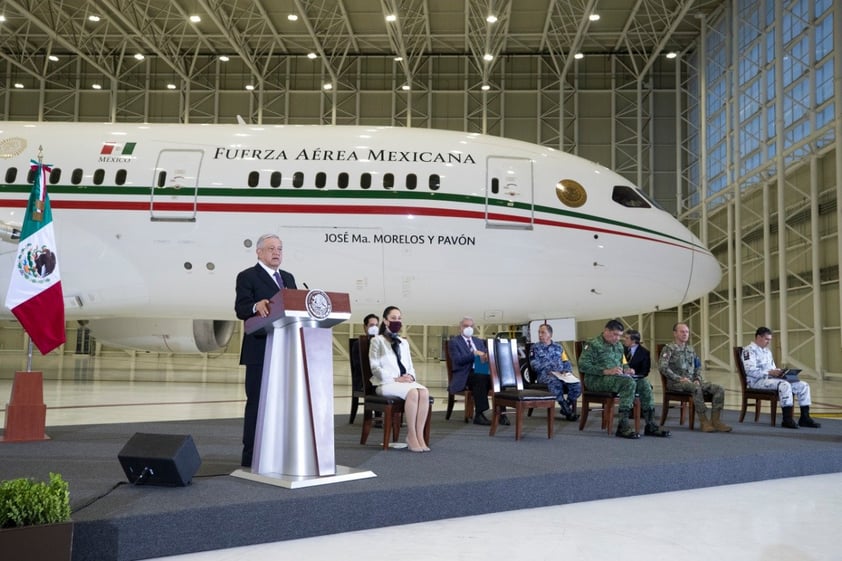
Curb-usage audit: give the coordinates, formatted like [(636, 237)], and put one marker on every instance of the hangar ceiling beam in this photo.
[(564, 32), (486, 39), (648, 29), (409, 34), (333, 38), (228, 23)]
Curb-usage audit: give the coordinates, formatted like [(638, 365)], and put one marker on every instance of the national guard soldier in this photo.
[(601, 364), (761, 373), (683, 371)]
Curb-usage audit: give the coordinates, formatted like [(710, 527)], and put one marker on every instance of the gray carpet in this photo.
[(467, 473)]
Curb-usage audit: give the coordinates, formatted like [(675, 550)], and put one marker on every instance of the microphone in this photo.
[(305, 285)]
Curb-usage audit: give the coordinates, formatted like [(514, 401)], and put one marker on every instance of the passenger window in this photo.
[(388, 181), (76, 176), (275, 179), (120, 178), (411, 181), (629, 197), (11, 175), (342, 180), (55, 176), (365, 180), (99, 176), (321, 180), (254, 178), (298, 179), (435, 182), (30, 176)]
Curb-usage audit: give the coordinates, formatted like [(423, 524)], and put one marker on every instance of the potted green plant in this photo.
[(35, 519)]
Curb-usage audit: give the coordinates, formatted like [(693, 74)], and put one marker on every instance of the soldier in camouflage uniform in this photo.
[(601, 365), (683, 371)]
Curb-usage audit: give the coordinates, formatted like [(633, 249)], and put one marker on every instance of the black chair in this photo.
[(750, 393), (357, 383), (391, 407), (508, 388), (451, 397)]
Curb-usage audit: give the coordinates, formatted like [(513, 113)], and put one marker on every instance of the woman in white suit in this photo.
[(392, 374)]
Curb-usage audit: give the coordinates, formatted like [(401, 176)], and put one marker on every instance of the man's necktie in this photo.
[(278, 279)]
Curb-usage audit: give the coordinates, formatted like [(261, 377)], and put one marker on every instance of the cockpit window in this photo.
[(629, 197)]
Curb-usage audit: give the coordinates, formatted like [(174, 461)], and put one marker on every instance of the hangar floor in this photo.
[(752, 519)]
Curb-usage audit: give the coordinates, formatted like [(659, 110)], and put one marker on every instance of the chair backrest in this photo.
[(364, 342), (448, 362), (357, 383), (741, 369), (505, 367)]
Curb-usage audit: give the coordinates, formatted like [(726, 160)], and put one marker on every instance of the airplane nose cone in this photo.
[(705, 275)]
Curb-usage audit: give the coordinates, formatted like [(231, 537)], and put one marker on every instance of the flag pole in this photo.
[(39, 216)]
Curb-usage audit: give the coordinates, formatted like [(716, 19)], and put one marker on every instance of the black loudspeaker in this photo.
[(160, 459)]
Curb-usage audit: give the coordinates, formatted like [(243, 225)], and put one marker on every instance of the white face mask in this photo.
[(373, 330), (468, 331)]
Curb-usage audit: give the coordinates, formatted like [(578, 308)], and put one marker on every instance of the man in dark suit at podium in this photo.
[(255, 286)]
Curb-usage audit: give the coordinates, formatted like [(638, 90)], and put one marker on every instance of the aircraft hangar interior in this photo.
[(719, 117), (723, 112)]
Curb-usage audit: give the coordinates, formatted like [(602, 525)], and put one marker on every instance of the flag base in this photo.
[(26, 413)]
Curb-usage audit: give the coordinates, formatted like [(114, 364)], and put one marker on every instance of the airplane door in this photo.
[(174, 194), (508, 187)]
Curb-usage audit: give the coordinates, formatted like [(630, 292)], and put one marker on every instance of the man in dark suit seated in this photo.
[(465, 350), (637, 356), (255, 286)]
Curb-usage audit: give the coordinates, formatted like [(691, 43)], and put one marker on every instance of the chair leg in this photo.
[(774, 412), (691, 407), (665, 409), (451, 399), (518, 421), (550, 420), (427, 425), (608, 414), (355, 402), (367, 418), (583, 417), (636, 413), (469, 407), (682, 405), (756, 410), (743, 409), (495, 418)]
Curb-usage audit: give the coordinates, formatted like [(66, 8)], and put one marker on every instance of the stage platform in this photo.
[(468, 472)]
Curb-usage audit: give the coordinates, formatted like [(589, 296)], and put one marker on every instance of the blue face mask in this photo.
[(395, 326)]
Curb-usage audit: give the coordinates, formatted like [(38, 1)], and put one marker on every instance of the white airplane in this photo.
[(153, 222)]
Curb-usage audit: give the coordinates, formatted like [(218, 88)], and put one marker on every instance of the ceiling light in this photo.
[(250, 87), (672, 55), (578, 56), (327, 86), (195, 19), (224, 58), (2, 18), (406, 87), (487, 57), (485, 87), (391, 17), (170, 86), (93, 18), (139, 56), (398, 58), (18, 85), (311, 56), (96, 86), (491, 18), (292, 17), (53, 58), (593, 17)]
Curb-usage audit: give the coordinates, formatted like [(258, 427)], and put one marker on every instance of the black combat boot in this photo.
[(788, 422), (806, 420), (624, 429), (651, 428)]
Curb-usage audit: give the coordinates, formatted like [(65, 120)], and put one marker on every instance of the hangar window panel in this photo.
[(824, 36), (253, 179), (298, 179), (275, 179), (76, 176), (11, 175), (99, 176), (321, 180), (120, 177), (824, 81)]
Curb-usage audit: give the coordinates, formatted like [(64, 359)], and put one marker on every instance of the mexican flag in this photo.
[(35, 295)]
